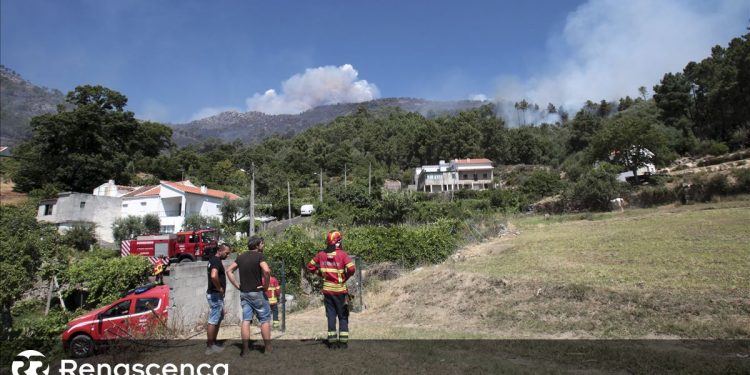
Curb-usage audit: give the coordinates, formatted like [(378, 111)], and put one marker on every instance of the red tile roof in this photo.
[(143, 191), (473, 161), (154, 190), (197, 190)]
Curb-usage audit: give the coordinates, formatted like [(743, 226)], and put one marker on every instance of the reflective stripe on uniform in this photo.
[(334, 287), (348, 265), (332, 270)]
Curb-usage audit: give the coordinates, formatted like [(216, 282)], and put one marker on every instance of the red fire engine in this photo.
[(181, 247)]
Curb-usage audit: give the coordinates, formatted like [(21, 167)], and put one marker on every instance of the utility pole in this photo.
[(369, 180), (321, 185), (252, 201), (289, 201)]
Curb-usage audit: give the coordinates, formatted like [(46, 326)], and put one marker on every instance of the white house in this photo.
[(171, 201), (459, 174)]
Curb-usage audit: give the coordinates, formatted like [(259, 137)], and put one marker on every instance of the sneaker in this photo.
[(213, 349)]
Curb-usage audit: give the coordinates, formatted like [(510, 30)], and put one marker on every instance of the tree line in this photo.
[(704, 109)]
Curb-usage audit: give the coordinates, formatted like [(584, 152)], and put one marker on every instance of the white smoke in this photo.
[(610, 48), (315, 87)]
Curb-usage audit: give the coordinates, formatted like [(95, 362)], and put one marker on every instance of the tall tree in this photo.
[(630, 141), (79, 149)]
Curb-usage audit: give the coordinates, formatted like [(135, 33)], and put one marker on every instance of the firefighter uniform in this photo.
[(273, 293), (335, 265)]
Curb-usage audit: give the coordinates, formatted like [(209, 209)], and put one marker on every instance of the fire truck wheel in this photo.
[(82, 346), (185, 260)]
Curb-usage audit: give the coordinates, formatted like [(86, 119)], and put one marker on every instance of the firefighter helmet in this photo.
[(333, 237)]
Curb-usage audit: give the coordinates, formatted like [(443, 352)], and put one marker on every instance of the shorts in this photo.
[(215, 308), (255, 303)]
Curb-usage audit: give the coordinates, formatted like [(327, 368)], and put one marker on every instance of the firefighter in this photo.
[(273, 292), (335, 266), (158, 272)]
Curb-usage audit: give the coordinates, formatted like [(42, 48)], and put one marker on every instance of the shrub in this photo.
[(106, 279), (711, 147), (507, 200), (402, 244), (151, 223), (80, 237), (656, 195), (198, 221), (126, 228), (541, 183), (742, 181), (594, 191), (717, 184)]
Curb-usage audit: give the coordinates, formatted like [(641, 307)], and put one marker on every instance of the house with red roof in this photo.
[(173, 202)]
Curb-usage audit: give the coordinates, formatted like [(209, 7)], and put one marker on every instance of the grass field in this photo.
[(663, 290)]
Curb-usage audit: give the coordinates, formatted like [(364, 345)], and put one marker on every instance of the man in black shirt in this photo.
[(217, 284), (255, 277)]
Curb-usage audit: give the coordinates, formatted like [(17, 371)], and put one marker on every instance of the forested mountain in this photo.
[(20, 100), (251, 127)]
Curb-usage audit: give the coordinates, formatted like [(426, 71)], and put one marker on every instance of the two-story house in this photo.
[(173, 202), (458, 174)]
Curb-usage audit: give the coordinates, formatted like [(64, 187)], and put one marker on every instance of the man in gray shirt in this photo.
[(254, 280)]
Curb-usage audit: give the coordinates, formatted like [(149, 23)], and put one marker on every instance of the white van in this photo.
[(306, 210)]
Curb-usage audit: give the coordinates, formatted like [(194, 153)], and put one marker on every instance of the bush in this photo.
[(40, 332), (126, 228), (742, 181), (80, 237), (507, 200), (594, 191), (402, 244), (106, 279), (717, 184), (711, 147), (541, 184), (198, 221), (656, 195)]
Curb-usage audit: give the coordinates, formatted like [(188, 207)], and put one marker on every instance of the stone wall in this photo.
[(188, 305)]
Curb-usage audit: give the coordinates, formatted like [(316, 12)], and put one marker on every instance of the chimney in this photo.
[(204, 189)]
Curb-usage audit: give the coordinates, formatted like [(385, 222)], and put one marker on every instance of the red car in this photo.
[(139, 311)]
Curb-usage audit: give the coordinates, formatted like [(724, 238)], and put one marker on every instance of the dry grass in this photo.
[(8, 196), (673, 272)]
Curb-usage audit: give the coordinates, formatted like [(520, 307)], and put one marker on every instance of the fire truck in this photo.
[(180, 247)]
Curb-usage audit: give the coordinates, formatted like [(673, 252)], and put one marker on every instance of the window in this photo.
[(143, 203), (146, 304), (124, 204), (181, 238), (466, 176), (484, 176), (120, 309), (167, 229), (48, 209), (83, 204)]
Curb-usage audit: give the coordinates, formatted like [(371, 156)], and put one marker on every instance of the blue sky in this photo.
[(181, 60)]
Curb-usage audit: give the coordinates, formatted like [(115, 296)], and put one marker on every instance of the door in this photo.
[(114, 322), (145, 315)]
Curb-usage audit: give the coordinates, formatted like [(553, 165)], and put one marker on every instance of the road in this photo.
[(280, 225)]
